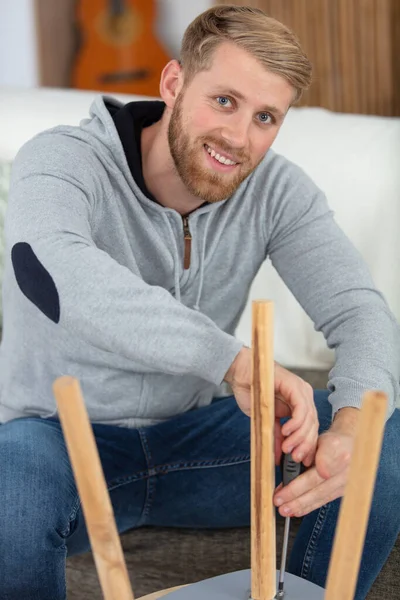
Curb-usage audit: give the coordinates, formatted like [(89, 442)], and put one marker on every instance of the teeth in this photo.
[(222, 159)]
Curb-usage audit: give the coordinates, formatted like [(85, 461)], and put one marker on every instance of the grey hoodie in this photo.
[(95, 287)]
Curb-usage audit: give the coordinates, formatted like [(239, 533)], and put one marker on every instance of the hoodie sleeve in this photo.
[(79, 287), (331, 281)]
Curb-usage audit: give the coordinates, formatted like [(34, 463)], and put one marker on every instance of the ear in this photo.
[(171, 82)]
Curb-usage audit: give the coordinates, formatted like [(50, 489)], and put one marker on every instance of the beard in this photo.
[(202, 182)]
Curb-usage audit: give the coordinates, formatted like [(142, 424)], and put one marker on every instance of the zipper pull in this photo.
[(187, 236)]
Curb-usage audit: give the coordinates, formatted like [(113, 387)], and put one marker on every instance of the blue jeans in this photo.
[(190, 471)]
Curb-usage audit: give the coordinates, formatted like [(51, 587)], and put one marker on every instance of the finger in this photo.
[(308, 446), (326, 492), (301, 447), (301, 485), (306, 436), (294, 425), (308, 449), (301, 422), (299, 413), (282, 408), (309, 459)]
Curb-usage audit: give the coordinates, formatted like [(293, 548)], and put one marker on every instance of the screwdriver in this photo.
[(290, 470)]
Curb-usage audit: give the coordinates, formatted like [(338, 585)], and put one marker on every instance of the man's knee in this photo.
[(33, 458), (36, 494)]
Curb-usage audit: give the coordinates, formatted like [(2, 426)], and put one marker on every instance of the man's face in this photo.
[(228, 114)]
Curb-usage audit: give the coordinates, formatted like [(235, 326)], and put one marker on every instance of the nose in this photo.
[(235, 131)]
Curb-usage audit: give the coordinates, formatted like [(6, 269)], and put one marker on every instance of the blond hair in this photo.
[(273, 44)]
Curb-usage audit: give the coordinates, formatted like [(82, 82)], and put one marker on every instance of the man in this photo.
[(132, 242)]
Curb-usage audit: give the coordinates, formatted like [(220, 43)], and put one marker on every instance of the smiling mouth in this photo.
[(223, 160)]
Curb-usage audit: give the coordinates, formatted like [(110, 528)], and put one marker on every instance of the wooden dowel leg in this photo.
[(89, 477), (356, 504), (263, 527)]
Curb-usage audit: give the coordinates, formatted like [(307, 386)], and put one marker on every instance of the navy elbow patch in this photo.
[(34, 281)]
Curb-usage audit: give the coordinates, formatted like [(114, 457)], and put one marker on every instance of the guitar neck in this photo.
[(116, 7)]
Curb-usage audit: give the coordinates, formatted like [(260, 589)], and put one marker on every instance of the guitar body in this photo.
[(119, 51)]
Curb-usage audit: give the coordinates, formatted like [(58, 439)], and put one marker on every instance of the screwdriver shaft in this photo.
[(290, 470), (284, 555)]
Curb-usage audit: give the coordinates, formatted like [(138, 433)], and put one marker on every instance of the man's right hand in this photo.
[(293, 398)]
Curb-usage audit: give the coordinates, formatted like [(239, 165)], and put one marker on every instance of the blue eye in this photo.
[(265, 118), (223, 100)]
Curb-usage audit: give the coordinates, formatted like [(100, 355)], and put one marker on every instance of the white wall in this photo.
[(173, 18), (18, 59), (18, 64)]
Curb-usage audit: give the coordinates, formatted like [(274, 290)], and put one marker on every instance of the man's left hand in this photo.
[(326, 479)]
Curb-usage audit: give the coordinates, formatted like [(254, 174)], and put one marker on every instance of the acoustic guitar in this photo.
[(118, 50)]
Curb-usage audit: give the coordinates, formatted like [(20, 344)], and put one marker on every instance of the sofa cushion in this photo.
[(48, 107)]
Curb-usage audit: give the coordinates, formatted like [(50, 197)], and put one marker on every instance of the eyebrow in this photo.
[(267, 108)]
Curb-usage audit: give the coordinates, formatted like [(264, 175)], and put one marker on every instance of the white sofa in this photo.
[(354, 159)]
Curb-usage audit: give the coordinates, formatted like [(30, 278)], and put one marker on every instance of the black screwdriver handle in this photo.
[(290, 468)]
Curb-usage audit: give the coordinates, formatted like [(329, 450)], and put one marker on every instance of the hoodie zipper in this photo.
[(187, 236)]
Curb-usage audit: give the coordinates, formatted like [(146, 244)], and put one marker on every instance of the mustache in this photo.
[(239, 154)]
